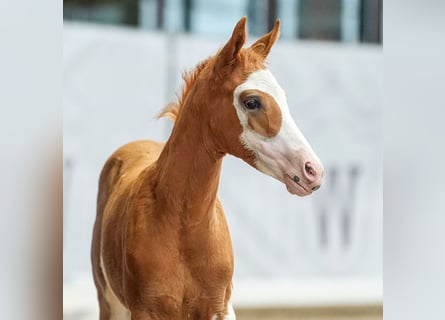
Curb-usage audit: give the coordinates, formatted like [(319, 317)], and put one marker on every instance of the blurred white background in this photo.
[(324, 250), (30, 77)]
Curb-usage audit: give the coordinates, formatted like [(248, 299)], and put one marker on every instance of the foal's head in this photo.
[(248, 115)]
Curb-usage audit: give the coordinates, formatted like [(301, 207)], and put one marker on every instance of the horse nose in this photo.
[(313, 173)]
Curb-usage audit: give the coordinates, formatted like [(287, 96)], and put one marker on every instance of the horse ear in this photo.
[(263, 45), (229, 54)]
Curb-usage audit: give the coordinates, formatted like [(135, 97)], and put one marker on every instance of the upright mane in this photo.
[(173, 108)]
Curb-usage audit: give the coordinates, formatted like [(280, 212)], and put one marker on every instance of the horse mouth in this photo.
[(294, 186)]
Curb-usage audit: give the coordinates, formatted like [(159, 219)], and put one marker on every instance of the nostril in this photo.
[(316, 188), (309, 169)]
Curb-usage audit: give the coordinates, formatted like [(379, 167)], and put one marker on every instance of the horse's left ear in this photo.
[(263, 45), (229, 54)]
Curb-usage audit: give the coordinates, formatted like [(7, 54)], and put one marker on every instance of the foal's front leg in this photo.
[(161, 307), (230, 315), (142, 315)]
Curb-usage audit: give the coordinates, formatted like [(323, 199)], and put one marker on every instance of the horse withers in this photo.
[(161, 246)]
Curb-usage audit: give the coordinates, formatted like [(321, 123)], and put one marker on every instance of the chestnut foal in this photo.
[(161, 247)]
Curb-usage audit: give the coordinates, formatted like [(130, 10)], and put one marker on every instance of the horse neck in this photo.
[(188, 168)]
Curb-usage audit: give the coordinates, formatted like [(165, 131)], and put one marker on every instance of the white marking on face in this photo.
[(276, 156)]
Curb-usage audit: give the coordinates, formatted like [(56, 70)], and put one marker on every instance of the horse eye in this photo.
[(252, 104)]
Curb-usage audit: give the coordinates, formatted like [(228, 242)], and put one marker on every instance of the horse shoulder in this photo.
[(119, 176)]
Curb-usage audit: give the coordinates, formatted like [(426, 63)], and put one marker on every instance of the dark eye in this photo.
[(252, 104)]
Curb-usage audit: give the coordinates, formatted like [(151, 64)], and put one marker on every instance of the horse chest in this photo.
[(210, 266), (197, 255), (183, 274)]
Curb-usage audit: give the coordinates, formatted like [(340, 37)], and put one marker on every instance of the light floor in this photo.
[(313, 313), (309, 313)]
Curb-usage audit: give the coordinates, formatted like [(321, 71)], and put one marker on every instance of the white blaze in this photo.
[(274, 155)]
